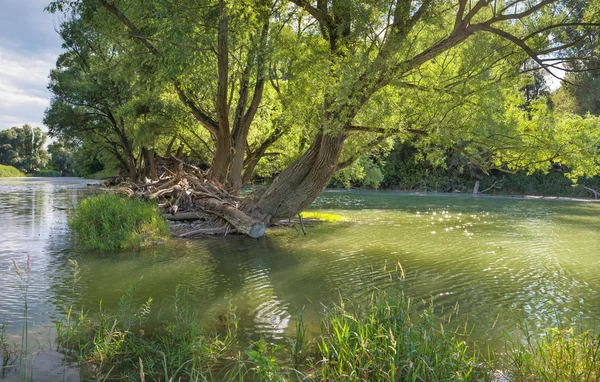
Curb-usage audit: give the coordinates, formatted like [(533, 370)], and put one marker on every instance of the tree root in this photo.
[(188, 196)]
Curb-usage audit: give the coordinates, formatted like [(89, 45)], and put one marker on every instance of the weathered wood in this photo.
[(596, 193), (185, 216), (241, 221)]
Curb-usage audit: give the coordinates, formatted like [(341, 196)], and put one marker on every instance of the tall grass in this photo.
[(114, 222), (10, 172), (561, 355), (391, 340), (118, 345)]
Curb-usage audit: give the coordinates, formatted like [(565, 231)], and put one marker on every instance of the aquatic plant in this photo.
[(391, 340), (117, 343), (114, 222), (10, 172), (561, 355)]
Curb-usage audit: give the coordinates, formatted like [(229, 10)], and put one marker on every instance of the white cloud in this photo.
[(28, 50)]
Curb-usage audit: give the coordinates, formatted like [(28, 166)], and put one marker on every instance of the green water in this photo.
[(500, 259)]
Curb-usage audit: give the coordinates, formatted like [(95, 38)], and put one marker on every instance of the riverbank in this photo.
[(502, 260), (10, 172)]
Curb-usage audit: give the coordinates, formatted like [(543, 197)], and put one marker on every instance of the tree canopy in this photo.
[(23, 148), (305, 88)]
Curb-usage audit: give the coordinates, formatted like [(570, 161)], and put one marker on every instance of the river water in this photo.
[(502, 260)]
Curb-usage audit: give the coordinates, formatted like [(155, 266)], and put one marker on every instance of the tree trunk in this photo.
[(301, 183)]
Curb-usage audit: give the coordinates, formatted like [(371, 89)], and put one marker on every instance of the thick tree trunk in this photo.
[(301, 183)]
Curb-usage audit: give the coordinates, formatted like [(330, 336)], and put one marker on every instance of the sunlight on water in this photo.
[(500, 259)]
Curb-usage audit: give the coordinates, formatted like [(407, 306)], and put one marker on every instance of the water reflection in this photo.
[(499, 259)]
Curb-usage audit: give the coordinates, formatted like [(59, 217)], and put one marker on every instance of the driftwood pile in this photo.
[(190, 197)]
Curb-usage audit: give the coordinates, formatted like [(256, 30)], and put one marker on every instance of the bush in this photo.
[(10, 172), (112, 222), (48, 173)]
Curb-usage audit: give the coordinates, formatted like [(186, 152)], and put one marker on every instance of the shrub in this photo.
[(113, 222), (10, 172), (48, 173)]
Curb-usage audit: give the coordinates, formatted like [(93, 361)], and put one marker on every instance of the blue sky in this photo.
[(29, 47)]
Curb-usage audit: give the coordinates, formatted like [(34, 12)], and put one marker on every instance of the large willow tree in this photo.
[(347, 75)]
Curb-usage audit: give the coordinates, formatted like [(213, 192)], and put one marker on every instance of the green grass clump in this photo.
[(48, 173), (331, 218), (123, 346), (389, 340), (561, 355), (10, 172), (114, 222)]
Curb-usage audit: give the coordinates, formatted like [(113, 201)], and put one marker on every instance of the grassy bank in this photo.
[(114, 222), (10, 172), (389, 339)]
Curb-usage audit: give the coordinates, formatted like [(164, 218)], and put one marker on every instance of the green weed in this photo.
[(390, 340), (561, 355), (114, 222)]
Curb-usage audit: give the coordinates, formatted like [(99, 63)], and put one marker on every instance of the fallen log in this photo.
[(185, 216), (242, 222)]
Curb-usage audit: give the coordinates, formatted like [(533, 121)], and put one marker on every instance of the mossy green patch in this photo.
[(10, 172), (48, 173), (114, 222), (331, 218)]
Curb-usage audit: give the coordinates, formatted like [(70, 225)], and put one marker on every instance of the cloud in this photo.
[(29, 46)]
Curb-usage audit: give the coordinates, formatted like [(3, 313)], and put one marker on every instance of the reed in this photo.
[(391, 338), (560, 355)]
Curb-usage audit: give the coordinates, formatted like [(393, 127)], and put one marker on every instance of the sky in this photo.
[(29, 46)]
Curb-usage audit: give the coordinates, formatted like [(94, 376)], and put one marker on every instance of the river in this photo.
[(502, 260)]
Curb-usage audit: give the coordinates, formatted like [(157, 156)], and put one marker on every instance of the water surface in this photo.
[(500, 259)]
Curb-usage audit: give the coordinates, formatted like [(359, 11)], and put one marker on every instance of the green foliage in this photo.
[(103, 174), (390, 340), (61, 157), (423, 75), (9, 172), (118, 344), (561, 355), (362, 173), (113, 222), (47, 173), (23, 148)]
